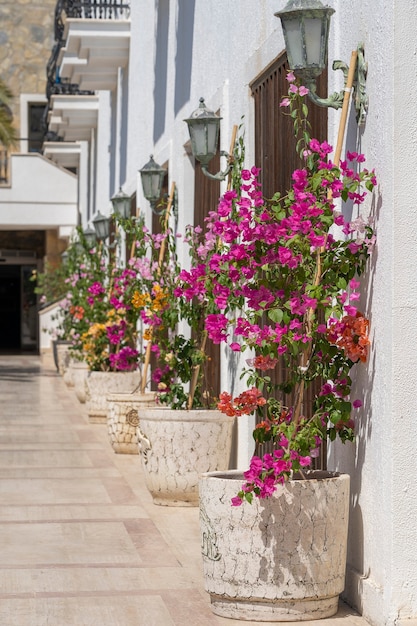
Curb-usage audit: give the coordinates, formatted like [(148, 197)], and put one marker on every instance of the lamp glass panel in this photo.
[(294, 43), (313, 39), (212, 137), (156, 185), (146, 184), (198, 134)]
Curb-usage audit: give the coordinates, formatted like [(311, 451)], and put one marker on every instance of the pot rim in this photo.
[(166, 414), (130, 396), (309, 475)]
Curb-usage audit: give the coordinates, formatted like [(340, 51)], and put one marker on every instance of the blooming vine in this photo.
[(297, 288)]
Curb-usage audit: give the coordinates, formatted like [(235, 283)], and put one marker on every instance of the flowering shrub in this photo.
[(95, 314), (296, 285), (110, 341), (196, 304)]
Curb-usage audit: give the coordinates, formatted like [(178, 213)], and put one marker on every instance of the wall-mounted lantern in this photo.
[(204, 128), (306, 24)]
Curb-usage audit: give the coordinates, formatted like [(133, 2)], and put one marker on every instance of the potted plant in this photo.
[(125, 407), (51, 288), (98, 320), (110, 345), (297, 285), (185, 434)]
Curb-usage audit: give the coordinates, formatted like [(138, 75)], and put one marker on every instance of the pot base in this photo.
[(170, 500), (279, 611), (96, 418)]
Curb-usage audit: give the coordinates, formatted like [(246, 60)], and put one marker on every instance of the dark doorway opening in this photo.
[(10, 314)]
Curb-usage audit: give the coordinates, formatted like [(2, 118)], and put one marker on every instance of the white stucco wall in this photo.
[(232, 43), (382, 561), (40, 195)]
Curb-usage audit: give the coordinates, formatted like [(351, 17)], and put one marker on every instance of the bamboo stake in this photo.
[(340, 138), (132, 249), (345, 107), (160, 261), (231, 155), (196, 371)]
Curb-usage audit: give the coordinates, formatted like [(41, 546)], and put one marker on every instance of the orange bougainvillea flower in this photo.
[(351, 335), (77, 312), (263, 363), (245, 404)]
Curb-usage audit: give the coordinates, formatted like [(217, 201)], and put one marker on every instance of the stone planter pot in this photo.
[(177, 446), (62, 355), (279, 559), (123, 412), (68, 375), (100, 384), (79, 376)]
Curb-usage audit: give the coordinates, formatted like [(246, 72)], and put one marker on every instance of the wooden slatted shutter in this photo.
[(206, 199), (276, 155)]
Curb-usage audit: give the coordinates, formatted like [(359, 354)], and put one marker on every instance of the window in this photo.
[(35, 130)]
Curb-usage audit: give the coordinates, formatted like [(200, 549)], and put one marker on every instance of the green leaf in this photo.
[(276, 315)]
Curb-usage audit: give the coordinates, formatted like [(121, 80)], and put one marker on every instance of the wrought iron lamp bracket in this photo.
[(335, 100), (161, 211), (222, 174)]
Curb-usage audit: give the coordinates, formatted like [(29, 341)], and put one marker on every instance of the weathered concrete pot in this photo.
[(68, 375), (63, 355), (177, 446), (79, 371), (123, 412), (100, 384), (280, 559)]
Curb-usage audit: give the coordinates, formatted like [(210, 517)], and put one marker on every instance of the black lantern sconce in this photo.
[(101, 225), (121, 204), (90, 236), (204, 128), (152, 176), (305, 25)]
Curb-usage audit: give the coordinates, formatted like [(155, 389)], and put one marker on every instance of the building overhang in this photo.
[(94, 51), (63, 153), (72, 117)]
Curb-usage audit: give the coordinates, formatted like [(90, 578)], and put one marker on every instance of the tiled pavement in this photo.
[(81, 543)]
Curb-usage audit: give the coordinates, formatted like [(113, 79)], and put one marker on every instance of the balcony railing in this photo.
[(79, 9), (94, 9)]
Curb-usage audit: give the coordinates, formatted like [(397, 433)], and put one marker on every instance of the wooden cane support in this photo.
[(160, 261), (339, 144)]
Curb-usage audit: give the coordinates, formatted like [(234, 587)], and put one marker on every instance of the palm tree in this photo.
[(8, 135)]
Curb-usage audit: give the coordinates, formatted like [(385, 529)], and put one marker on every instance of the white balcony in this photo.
[(94, 50)]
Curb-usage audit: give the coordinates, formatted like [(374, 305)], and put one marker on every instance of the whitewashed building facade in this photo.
[(146, 68)]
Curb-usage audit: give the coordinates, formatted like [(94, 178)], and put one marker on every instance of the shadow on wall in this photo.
[(161, 69), (183, 59)]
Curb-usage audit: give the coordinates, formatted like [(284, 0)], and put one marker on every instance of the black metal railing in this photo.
[(80, 9), (94, 9)]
